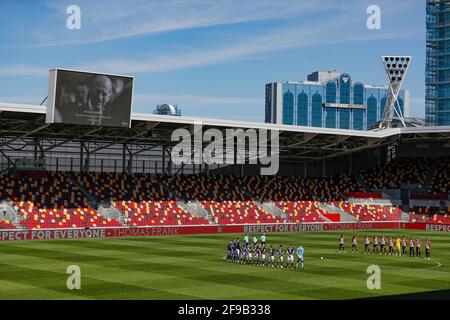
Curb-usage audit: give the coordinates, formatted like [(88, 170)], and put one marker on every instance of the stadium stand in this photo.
[(50, 202), (441, 183), (58, 200), (230, 199), (301, 189), (398, 171), (429, 214), (301, 211), (5, 224), (370, 212), (224, 197), (140, 198)]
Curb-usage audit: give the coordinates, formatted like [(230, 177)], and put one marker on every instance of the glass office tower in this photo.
[(437, 70), (330, 100)]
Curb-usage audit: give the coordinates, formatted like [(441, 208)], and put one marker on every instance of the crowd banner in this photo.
[(155, 231)]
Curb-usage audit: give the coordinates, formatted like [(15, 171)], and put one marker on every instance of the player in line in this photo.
[(280, 256), (375, 244), (383, 245), (341, 244), (290, 258), (418, 245), (391, 246), (427, 249), (238, 251), (354, 244), (397, 247), (262, 260), (300, 253), (228, 256), (404, 245), (244, 257), (411, 247), (256, 254), (271, 256), (367, 244)]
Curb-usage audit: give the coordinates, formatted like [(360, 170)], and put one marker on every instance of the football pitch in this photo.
[(192, 267)]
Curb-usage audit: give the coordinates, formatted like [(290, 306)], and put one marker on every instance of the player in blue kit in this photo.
[(257, 254), (280, 256), (263, 256), (290, 258), (300, 253), (233, 250), (238, 250), (228, 257), (244, 253), (251, 253), (248, 248), (271, 256)]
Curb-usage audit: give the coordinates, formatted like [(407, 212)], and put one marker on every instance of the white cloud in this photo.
[(114, 19), (326, 31), (292, 38), (104, 20), (331, 31)]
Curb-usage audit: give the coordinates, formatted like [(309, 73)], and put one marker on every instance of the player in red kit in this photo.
[(391, 246), (383, 245), (375, 244), (341, 243), (404, 244), (354, 244), (418, 245), (367, 244), (411, 247), (427, 249)]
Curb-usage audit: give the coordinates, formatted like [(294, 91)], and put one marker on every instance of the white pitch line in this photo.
[(435, 267)]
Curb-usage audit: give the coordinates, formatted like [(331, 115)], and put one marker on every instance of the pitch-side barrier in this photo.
[(154, 231)]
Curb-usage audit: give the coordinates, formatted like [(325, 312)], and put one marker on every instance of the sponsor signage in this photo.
[(344, 105)]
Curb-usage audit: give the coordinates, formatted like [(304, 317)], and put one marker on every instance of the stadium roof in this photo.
[(21, 121)]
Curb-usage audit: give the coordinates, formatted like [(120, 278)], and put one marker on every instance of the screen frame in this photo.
[(52, 86)]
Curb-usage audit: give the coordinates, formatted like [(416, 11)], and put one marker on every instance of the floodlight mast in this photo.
[(396, 68)]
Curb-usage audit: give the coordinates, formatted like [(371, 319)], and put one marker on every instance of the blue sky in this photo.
[(212, 58)]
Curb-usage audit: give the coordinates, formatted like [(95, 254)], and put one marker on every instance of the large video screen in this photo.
[(95, 99)]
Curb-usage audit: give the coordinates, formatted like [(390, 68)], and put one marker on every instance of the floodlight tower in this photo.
[(396, 68)]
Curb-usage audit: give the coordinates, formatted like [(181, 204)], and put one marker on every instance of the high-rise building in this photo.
[(437, 70), (328, 99)]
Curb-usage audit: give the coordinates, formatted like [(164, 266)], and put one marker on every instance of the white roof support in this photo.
[(396, 68)]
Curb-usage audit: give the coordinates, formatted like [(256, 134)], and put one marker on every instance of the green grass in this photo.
[(191, 267)]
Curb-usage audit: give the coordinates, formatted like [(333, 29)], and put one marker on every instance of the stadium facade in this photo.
[(328, 99), (437, 95)]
